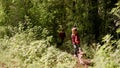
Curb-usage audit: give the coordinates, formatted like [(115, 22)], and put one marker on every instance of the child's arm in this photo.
[(73, 39)]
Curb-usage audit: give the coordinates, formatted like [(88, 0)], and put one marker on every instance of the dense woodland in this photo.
[(29, 33)]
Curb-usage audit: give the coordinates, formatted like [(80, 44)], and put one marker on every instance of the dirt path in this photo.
[(78, 65), (13, 64), (2, 65), (81, 61)]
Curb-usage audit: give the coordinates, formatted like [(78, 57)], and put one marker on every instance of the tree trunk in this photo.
[(94, 18)]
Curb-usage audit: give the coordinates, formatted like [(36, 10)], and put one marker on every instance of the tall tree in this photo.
[(94, 18)]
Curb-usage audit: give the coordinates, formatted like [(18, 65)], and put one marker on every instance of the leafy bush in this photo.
[(2, 14), (4, 31), (54, 58), (27, 52), (107, 55)]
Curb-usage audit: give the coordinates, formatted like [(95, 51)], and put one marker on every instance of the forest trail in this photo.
[(13, 64), (79, 65), (2, 65), (81, 61)]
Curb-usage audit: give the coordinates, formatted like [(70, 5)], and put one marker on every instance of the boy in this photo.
[(62, 36), (75, 41)]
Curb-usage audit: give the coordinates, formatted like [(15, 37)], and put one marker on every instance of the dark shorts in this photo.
[(76, 49)]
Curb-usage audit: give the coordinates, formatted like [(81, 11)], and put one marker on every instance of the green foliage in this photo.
[(2, 14), (89, 50), (3, 44), (106, 55), (116, 10), (5, 31), (54, 58), (27, 52), (49, 14), (66, 47), (29, 31), (118, 30)]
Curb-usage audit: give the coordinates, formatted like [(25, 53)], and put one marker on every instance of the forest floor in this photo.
[(3, 65), (13, 64), (82, 62), (78, 65)]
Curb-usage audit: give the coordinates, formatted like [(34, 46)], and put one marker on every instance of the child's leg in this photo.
[(76, 49)]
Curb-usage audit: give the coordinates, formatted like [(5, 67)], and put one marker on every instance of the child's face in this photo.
[(74, 31)]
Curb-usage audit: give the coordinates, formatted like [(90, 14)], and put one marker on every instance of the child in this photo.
[(75, 41), (62, 36)]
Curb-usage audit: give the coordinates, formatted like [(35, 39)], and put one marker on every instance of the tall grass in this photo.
[(23, 51), (108, 54)]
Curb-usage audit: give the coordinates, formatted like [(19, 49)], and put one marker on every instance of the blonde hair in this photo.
[(74, 30)]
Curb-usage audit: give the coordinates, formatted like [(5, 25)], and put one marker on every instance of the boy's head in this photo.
[(74, 30)]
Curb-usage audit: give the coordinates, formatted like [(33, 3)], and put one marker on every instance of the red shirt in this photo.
[(75, 39), (62, 35)]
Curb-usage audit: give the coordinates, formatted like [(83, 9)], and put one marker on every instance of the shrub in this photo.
[(28, 52), (106, 55)]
